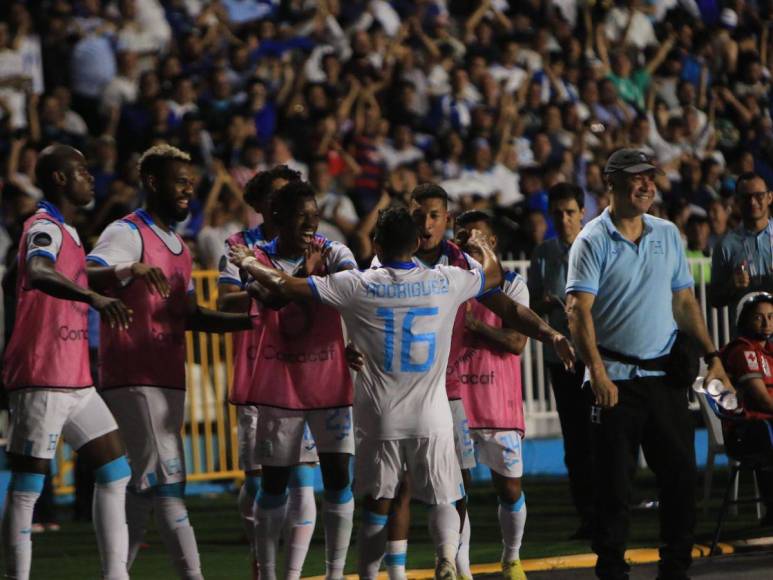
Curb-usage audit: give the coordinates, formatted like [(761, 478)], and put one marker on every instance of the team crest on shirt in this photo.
[(656, 246), (751, 360)]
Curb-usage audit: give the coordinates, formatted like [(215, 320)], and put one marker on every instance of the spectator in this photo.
[(743, 259), (547, 283), (698, 232), (749, 361)]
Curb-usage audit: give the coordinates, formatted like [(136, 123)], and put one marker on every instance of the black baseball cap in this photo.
[(630, 161)]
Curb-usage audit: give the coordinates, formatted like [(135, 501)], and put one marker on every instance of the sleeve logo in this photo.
[(751, 360)]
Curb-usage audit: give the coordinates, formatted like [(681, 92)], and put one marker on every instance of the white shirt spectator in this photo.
[(397, 157), (641, 34), (498, 179), (11, 66), (513, 76)]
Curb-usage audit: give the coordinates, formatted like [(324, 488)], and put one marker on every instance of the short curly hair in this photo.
[(153, 160), (259, 187)]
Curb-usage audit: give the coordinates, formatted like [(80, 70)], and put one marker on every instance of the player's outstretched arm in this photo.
[(206, 320), (286, 286), (527, 322), (44, 277)]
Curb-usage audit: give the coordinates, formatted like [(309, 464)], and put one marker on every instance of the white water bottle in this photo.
[(716, 389)]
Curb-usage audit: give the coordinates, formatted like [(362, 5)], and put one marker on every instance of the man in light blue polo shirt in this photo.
[(743, 260), (628, 291)]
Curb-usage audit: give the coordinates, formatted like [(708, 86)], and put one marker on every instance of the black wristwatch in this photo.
[(711, 355)]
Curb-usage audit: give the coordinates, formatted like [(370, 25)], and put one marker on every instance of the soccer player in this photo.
[(400, 317), (489, 371), (430, 210), (300, 376), (143, 261), (46, 370), (301, 506)]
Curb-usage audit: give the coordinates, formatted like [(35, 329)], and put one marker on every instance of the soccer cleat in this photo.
[(445, 570), (513, 571)]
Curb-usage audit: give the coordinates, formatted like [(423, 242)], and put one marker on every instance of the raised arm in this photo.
[(286, 286)]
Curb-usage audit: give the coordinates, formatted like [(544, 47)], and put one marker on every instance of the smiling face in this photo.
[(754, 199), (298, 228), (633, 194), (431, 215), (173, 190)]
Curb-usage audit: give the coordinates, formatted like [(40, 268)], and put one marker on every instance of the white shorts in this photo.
[(286, 437), (247, 425), (499, 450), (430, 461), (465, 450), (38, 417), (247, 416), (151, 421)]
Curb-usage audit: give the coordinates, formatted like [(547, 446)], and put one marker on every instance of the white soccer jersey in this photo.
[(121, 244), (400, 317), (339, 257)]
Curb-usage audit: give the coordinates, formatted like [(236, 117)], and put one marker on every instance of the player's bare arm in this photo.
[(206, 320), (286, 286), (527, 322), (578, 310), (505, 339), (106, 276), (44, 277)]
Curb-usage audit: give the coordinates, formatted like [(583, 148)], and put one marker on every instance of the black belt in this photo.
[(650, 364)]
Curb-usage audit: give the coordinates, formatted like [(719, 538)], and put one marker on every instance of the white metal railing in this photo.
[(538, 402)]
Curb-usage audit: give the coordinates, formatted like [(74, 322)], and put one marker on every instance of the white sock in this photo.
[(23, 491), (300, 520), (463, 555), (338, 511), (270, 512), (248, 494), (138, 508), (176, 531), (109, 515), (396, 557), (372, 542), (444, 529), (512, 521)]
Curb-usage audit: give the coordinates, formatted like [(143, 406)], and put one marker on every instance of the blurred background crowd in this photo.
[(495, 100)]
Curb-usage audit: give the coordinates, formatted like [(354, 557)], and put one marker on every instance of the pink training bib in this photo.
[(299, 360), (152, 351), (490, 380), (453, 385), (49, 346), (244, 343)]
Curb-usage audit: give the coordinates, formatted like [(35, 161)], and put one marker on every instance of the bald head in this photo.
[(53, 159), (62, 174)]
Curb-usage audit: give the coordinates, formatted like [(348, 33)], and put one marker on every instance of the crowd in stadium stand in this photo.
[(495, 100)]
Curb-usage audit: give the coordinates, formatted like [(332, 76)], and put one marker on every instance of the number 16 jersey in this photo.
[(400, 317)]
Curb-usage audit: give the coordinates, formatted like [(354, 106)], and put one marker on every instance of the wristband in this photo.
[(710, 355)]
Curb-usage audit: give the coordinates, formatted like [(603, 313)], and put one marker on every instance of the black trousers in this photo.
[(573, 405), (654, 415)]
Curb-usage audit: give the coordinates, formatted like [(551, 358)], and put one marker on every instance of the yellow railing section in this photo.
[(210, 429)]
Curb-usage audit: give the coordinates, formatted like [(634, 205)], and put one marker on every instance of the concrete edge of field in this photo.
[(634, 556)]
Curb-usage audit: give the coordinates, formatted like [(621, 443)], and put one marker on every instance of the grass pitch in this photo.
[(71, 553)]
